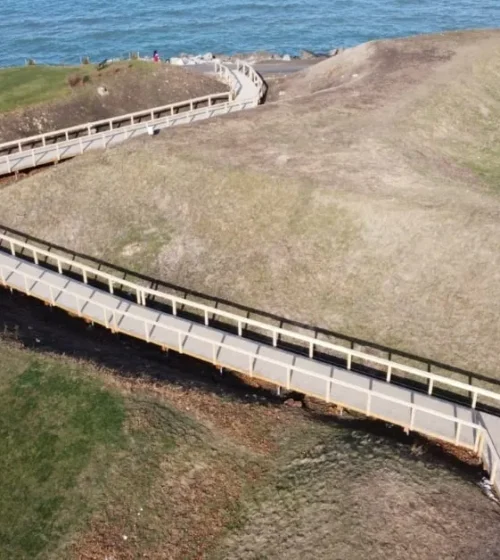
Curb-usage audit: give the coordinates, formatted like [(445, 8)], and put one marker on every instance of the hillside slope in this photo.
[(364, 200)]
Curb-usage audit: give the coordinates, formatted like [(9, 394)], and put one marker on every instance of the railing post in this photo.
[(206, 317), (431, 385), (349, 361), (110, 282), (35, 257), (174, 307), (180, 342), (240, 329), (84, 276), (311, 349), (477, 440), (59, 266), (412, 418), (12, 250), (275, 338), (138, 296), (493, 474), (474, 400), (389, 373), (457, 436), (480, 447), (146, 330)]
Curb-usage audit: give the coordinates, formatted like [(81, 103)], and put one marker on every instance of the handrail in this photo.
[(112, 322), (239, 320), (111, 120)]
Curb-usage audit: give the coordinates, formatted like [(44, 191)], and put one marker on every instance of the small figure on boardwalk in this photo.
[(156, 57)]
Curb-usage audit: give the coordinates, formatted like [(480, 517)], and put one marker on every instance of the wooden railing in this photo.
[(389, 367)]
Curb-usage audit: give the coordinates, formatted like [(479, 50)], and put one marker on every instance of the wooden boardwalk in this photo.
[(414, 411), (246, 91)]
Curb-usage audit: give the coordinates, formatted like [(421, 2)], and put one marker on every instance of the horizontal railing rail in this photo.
[(18, 247), (103, 139), (89, 127)]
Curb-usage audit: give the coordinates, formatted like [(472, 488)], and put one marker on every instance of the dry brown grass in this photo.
[(349, 498), (351, 203)]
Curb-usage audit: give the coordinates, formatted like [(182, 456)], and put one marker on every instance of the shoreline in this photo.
[(189, 59)]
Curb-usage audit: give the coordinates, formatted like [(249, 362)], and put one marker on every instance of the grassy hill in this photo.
[(364, 200)]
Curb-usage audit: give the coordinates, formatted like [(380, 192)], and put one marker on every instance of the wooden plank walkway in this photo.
[(461, 425)]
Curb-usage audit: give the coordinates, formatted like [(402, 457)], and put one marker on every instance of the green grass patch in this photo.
[(73, 450), (51, 424), (28, 85)]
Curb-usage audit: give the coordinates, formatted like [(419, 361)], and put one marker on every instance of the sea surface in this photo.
[(58, 31)]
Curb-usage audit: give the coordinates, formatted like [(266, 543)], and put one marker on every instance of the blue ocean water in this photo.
[(55, 31)]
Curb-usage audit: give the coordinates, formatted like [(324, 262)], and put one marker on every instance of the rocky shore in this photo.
[(254, 57)]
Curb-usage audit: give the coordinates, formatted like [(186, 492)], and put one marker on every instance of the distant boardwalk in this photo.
[(45, 276), (246, 91)]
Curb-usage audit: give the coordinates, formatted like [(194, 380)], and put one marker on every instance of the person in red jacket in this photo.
[(156, 56)]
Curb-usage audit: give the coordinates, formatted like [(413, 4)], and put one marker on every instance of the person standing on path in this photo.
[(156, 57)]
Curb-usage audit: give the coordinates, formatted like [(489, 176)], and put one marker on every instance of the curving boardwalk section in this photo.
[(46, 276), (246, 91)]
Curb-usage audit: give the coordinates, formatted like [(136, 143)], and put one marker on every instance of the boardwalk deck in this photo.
[(446, 421)]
